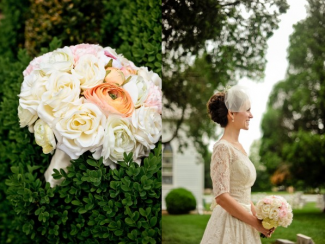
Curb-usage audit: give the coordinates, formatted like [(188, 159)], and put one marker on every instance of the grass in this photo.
[(188, 229)]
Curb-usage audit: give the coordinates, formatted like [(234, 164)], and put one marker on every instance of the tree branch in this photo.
[(230, 4)]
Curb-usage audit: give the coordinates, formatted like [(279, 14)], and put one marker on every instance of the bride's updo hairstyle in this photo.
[(235, 99), (217, 109)]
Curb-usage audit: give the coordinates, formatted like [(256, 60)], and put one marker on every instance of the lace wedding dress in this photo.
[(232, 172)]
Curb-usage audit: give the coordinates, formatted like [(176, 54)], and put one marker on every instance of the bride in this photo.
[(233, 219)]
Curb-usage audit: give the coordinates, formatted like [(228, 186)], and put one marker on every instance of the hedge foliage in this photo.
[(93, 204), (180, 201), (134, 29)]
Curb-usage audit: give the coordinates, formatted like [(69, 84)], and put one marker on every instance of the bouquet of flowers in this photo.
[(274, 211), (89, 98)]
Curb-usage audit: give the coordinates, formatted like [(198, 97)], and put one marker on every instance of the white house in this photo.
[(182, 170)]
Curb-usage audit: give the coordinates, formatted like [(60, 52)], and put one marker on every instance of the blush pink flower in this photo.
[(154, 98), (111, 98), (82, 49)]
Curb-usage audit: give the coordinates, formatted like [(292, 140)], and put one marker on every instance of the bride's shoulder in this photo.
[(221, 145)]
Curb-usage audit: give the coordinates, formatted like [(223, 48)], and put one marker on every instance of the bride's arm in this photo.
[(253, 208), (236, 210)]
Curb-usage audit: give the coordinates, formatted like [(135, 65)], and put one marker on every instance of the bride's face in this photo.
[(242, 119)]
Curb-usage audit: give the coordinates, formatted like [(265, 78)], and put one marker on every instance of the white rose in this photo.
[(90, 71), (62, 89), (81, 129), (147, 126), (125, 62), (150, 76), (138, 89), (26, 117), (273, 214), (59, 60), (44, 136), (118, 139), (31, 91), (266, 210)]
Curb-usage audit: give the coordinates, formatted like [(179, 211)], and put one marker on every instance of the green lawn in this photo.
[(188, 229)]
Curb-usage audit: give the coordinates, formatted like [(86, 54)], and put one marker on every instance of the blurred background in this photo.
[(275, 47)]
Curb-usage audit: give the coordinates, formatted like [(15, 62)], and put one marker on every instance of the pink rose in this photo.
[(154, 98), (82, 49)]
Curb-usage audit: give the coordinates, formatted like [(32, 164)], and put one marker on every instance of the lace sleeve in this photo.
[(220, 172)]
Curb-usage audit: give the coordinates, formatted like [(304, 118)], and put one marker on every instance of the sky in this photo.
[(274, 72)]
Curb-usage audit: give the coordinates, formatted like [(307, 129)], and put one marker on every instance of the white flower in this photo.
[(118, 139), (44, 136), (150, 76), (138, 89), (31, 91), (26, 117), (59, 60), (90, 71), (62, 89), (147, 126), (81, 129)]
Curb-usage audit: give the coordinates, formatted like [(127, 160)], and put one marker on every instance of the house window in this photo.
[(167, 165)]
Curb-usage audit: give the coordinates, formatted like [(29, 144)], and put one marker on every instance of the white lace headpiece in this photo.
[(237, 98)]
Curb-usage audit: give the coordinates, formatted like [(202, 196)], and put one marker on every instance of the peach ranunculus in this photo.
[(111, 99), (115, 76)]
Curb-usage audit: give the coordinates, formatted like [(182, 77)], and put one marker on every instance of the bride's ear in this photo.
[(230, 116)]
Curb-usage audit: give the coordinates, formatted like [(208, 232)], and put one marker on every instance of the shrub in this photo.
[(93, 204), (180, 201)]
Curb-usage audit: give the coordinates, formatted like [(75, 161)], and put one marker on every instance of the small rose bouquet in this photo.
[(89, 98), (274, 211)]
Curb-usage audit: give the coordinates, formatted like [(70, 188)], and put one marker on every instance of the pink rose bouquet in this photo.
[(89, 98), (274, 211)]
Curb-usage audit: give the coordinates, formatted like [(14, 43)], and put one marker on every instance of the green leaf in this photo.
[(153, 221)]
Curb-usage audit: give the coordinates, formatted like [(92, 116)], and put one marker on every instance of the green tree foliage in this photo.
[(32, 25), (262, 182), (206, 45), (293, 126), (180, 201)]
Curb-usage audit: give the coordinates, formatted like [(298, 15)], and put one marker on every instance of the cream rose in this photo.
[(26, 117), (138, 88), (81, 129), (118, 138), (147, 126), (31, 91), (59, 60), (150, 76), (90, 71), (62, 89), (44, 136)]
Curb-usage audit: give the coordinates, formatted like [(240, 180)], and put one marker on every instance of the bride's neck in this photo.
[(231, 134)]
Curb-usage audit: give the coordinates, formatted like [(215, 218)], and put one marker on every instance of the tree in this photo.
[(206, 45), (293, 126)]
